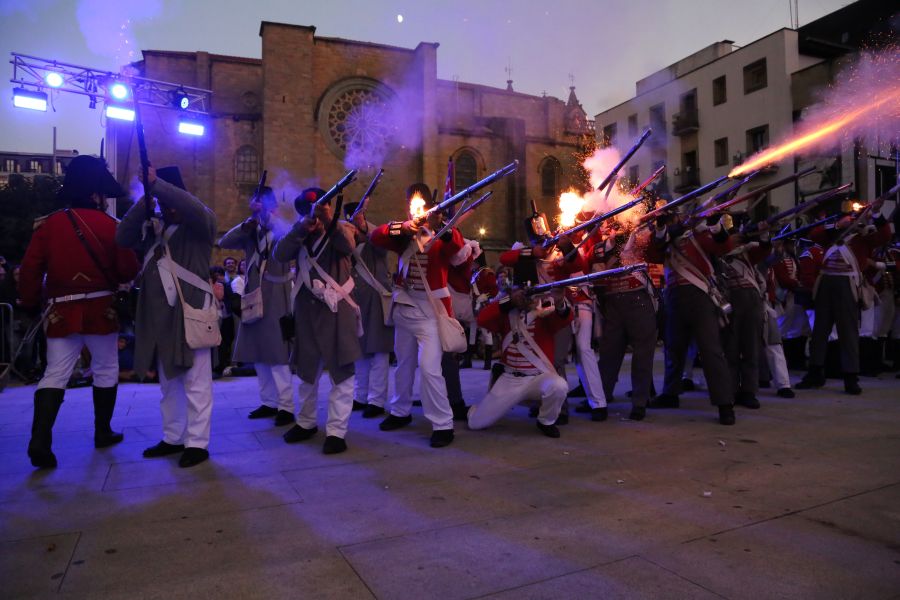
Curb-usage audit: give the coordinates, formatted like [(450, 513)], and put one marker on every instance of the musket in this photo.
[(862, 219), (460, 196), (455, 219), (684, 199), (640, 188), (806, 228), (796, 211), (365, 199), (336, 189), (625, 159), (727, 194), (582, 279), (757, 192), (261, 184), (593, 221), (142, 151)]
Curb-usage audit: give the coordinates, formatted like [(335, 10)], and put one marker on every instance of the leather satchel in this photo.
[(450, 331), (201, 325), (252, 302)]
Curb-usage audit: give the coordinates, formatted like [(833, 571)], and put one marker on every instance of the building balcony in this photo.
[(685, 122), (687, 180)]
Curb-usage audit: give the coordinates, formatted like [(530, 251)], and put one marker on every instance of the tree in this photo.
[(23, 200), (586, 146)]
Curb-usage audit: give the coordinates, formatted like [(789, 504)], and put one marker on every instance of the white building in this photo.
[(714, 108)]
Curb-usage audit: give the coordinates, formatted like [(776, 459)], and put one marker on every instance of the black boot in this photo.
[(46, 406), (851, 384), (104, 404), (814, 378), (795, 353), (488, 356)]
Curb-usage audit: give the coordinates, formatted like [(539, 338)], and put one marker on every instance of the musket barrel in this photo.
[(365, 199), (682, 200), (582, 279), (609, 178), (593, 221), (460, 196), (336, 188), (805, 228)]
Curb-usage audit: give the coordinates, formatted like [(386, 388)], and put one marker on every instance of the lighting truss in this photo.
[(30, 73)]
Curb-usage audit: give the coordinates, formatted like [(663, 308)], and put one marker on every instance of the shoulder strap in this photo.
[(530, 348), (90, 250), (363, 269), (439, 308)]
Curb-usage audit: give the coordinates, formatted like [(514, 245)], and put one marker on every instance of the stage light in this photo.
[(54, 79), (119, 91), (191, 127), (180, 99), (23, 98), (119, 112)]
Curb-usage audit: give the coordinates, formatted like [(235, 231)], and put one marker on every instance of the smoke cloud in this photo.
[(108, 26)]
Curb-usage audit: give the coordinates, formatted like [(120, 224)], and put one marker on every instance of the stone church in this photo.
[(313, 107)]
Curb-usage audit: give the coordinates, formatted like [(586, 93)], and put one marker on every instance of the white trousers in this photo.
[(275, 389), (63, 353), (370, 384), (340, 405), (867, 323), (778, 366), (587, 366), (186, 403), (884, 313), (416, 341), (794, 323), (509, 390)]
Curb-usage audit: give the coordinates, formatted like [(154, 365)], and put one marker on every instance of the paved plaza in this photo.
[(800, 500)]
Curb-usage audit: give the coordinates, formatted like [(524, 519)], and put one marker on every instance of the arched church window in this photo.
[(465, 170), (357, 118), (551, 172), (246, 165)]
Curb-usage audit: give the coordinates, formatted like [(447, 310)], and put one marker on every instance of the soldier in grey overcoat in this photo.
[(327, 322), (259, 341), (184, 231), (372, 291)]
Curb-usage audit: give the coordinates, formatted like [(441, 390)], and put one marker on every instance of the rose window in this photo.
[(355, 118)]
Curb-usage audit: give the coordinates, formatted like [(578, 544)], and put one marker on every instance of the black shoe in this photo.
[(441, 438), (551, 431), (460, 412), (391, 422), (104, 405), (192, 457), (665, 401), (637, 413), (163, 449), (283, 417), (371, 411), (747, 400), (583, 407), (533, 411), (851, 385), (46, 406), (687, 385), (599, 414), (562, 419), (814, 378), (359, 405), (726, 414), (578, 392), (298, 434), (333, 445), (785, 393), (263, 412)]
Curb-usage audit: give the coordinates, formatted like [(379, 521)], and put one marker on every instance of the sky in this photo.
[(604, 46)]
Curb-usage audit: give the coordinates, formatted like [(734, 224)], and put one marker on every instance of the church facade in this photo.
[(312, 107)]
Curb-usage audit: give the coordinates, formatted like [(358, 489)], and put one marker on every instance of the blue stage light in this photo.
[(119, 112), (191, 127), (54, 79), (23, 98), (119, 91)]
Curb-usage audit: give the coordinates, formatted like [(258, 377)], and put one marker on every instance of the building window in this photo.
[(658, 121), (720, 94), (465, 170), (609, 135), (757, 139), (9, 165), (755, 76), (551, 172), (721, 151), (246, 165), (632, 126), (35, 166), (634, 174)]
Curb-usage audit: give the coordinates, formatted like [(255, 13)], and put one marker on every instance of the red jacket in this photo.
[(549, 270), (436, 261), (711, 241), (862, 245), (496, 320), (786, 271), (808, 266), (56, 252), (459, 277)]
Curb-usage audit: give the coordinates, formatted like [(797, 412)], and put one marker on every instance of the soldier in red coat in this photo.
[(74, 263)]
